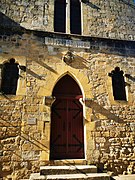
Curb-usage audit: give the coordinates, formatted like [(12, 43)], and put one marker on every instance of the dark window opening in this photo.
[(75, 17), (118, 84), (60, 16), (10, 75)]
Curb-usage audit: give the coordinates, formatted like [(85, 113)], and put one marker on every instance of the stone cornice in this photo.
[(102, 45)]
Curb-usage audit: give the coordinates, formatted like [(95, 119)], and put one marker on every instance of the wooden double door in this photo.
[(67, 130), (67, 136)]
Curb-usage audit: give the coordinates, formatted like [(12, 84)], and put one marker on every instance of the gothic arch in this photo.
[(73, 77), (67, 128)]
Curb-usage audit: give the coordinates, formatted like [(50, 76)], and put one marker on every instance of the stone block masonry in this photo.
[(113, 20), (25, 119), (107, 42)]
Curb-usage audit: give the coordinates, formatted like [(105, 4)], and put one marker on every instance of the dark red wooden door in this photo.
[(67, 134), (75, 129), (67, 129)]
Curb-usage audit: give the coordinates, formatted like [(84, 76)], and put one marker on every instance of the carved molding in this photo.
[(49, 100)]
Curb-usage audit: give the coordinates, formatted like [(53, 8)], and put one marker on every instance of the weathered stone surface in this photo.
[(107, 19), (25, 119)]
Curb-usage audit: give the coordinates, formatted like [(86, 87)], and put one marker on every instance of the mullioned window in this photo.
[(60, 16)]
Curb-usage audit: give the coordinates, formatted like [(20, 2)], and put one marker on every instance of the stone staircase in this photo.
[(69, 172)]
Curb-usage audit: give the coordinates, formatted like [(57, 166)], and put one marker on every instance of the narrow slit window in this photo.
[(60, 16), (75, 17), (118, 84), (9, 75)]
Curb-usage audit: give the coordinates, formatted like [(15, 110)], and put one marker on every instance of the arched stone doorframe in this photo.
[(74, 77), (67, 148), (50, 99), (85, 87)]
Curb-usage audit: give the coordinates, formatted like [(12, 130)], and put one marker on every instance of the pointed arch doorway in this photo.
[(67, 130)]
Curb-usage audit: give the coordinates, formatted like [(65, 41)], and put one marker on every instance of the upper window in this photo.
[(118, 84), (61, 10), (9, 77), (75, 17), (60, 16)]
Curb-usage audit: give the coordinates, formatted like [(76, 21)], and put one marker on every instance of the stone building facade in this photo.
[(49, 64)]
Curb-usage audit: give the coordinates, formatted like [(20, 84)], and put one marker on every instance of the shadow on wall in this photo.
[(73, 60), (32, 73), (7, 25), (130, 77), (45, 66), (129, 3), (25, 136), (99, 109), (88, 3)]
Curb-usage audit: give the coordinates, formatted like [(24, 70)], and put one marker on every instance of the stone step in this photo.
[(66, 162), (89, 176), (124, 177), (72, 169), (36, 176)]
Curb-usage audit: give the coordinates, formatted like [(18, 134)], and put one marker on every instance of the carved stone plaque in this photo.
[(32, 121)]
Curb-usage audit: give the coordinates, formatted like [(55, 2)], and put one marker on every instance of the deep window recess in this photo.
[(118, 84), (75, 17), (10, 75), (60, 16)]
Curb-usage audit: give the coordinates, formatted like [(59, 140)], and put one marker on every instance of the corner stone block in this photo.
[(90, 126)]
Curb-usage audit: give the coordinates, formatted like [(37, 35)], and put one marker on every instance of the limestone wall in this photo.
[(110, 19), (113, 19), (114, 122), (25, 118)]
